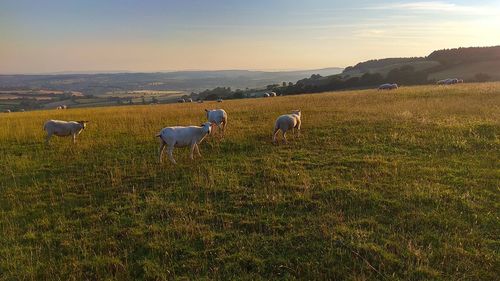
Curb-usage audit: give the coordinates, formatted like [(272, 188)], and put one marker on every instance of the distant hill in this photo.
[(476, 64), (465, 63), (99, 84)]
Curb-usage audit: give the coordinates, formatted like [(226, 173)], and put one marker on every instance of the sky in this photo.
[(163, 35)]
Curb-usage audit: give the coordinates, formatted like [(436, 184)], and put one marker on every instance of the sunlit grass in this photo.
[(397, 185)]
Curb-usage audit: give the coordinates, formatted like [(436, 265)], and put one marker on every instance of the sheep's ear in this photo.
[(206, 110)]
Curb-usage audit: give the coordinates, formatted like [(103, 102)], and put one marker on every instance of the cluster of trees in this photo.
[(449, 57), (406, 75), (367, 65)]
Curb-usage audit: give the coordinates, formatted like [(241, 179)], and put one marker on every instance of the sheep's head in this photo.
[(297, 112), (208, 127), (83, 123)]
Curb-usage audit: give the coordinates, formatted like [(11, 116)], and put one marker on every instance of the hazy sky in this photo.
[(149, 35)]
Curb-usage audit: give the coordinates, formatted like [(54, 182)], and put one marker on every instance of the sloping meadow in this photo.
[(381, 185)]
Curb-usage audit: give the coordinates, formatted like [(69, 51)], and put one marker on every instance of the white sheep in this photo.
[(63, 128), (219, 117), (448, 81), (266, 95), (388, 86), (287, 122), (183, 136), (272, 94)]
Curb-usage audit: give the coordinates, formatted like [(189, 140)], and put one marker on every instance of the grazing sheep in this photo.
[(64, 106), (460, 80), (189, 100), (59, 107), (7, 111), (266, 95), (388, 86), (449, 81), (219, 117), (287, 122), (63, 128), (272, 94), (183, 136), (200, 101), (181, 101)]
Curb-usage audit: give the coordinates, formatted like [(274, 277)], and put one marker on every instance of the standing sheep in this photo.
[(219, 117), (183, 136), (388, 86), (287, 122), (63, 128)]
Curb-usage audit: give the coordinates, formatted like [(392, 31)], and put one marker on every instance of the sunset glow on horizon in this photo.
[(55, 35)]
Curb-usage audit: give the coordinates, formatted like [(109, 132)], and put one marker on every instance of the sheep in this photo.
[(181, 137), (388, 86), (63, 128), (219, 117), (219, 100), (7, 111), (449, 81), (64, 106), (287, 122), (272, 94), (59, 107), (200, 101), (266, 95), (189, 100), (181, 101)]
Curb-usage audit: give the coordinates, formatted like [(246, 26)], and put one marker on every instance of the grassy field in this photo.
[(396, 185)]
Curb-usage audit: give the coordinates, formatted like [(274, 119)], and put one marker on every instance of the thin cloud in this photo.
[(436, 6)]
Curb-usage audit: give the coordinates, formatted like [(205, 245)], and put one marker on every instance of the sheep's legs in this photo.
[(275, 133), (223, 128), (170, 150), (160, 151), (193, 146), (74, 138), (284, 137), (197, 150), (47, 139)]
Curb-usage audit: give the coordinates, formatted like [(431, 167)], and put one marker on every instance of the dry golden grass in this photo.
[(398, 185)]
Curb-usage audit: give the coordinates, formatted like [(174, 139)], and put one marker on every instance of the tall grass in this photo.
[(400, 185)]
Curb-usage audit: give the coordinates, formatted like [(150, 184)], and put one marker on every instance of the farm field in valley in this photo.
[(381, 185)]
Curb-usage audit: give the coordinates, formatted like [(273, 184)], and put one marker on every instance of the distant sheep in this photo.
[(272, 94), (7, 111), (200, 101), (388, 86), (219, 100), (181, 101), (189, 100), (287, 122), (449, 81), (219, 117), (181, 137), (63, 128), (64, 106), (266, 95)]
